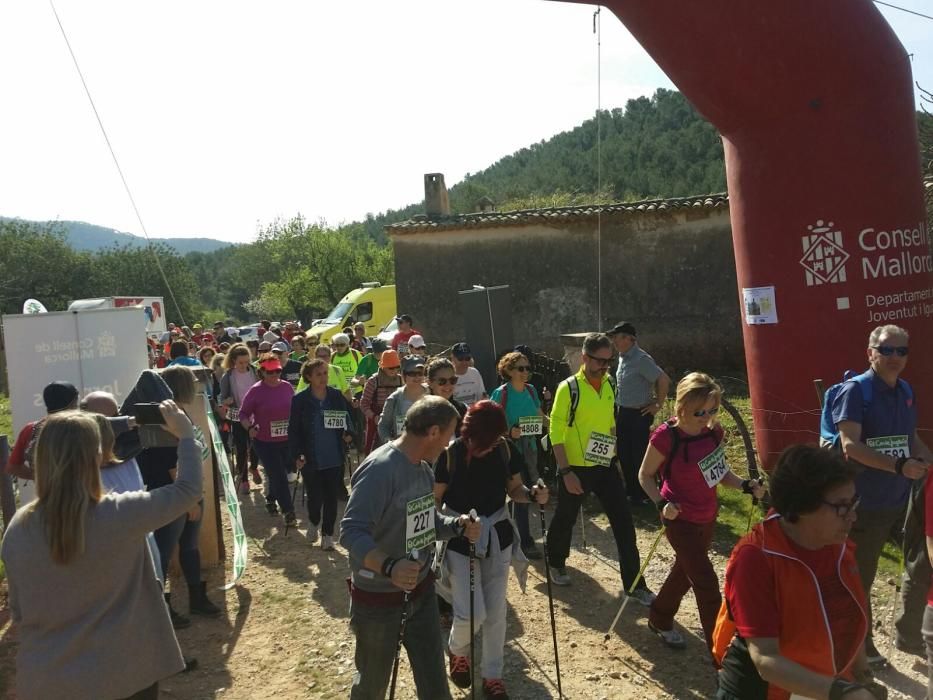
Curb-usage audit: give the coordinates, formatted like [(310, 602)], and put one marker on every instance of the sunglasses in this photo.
[(706, 412), (888, 350), (413, 374), (464, 359), (444, 381), (272, 371), (523, 368), (340, 345), (603, 361), (843, 509), (391, 369)]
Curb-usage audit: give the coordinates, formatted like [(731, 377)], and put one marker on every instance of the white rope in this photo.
[(116, 162)]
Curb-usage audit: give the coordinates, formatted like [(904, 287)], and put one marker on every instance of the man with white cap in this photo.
[(416, 346)]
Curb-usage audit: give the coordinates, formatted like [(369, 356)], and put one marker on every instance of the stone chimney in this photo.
[(436, 201)]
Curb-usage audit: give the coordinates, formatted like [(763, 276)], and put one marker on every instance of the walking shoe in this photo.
[(327, 544), (671, 638), (199, 604), (531, 551), (290, 519), (179, 621), (643, 596), (559, 576), (257, 477), (244, 488), (312, 533), (494, 688), (919, 650), (873, 656), (460, 671)]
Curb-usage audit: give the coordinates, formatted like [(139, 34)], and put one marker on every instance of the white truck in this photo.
[(153, 307)]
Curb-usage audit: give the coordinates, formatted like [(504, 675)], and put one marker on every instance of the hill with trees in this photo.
[(654, 147)]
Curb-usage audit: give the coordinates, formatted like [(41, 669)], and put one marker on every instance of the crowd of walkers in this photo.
[(446, 477)]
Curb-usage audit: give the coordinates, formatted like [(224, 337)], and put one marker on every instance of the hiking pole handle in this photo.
[(820, 391)]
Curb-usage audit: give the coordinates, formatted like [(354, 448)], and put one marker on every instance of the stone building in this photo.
[(666, 265)]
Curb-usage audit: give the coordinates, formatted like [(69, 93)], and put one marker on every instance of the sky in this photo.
[(228, 115)]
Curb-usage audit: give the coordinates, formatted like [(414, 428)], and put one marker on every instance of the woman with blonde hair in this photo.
[(239, 377), (83, 589), (687, 455)]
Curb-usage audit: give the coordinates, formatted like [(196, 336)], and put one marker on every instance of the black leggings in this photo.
[(243, 449)]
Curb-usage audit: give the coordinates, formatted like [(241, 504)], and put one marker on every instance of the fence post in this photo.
[(7, 499)]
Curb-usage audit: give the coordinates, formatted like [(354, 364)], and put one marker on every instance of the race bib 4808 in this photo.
[(531, 425)]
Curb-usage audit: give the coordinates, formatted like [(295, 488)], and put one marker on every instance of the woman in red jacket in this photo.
[(793, 621)]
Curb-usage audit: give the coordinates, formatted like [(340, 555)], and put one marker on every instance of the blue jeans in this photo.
[(274, 457), (322, 486), (376, 631), (185, 534)]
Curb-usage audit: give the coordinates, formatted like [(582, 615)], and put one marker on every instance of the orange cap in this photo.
[(390, 359)]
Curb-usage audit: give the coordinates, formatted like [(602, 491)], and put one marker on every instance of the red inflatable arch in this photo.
[(814, 101)]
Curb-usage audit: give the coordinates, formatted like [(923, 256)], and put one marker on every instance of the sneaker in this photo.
[(531, 551), (271, 508), (559, 576), (460, 671), (312, 533), (244, 488), (919, 650), (290, 519), (257, 477), (643, 596), (671, 638), (494, 688), (873, 656), (327, 544)]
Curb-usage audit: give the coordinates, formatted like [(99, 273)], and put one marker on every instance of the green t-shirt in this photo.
[(335, 379)]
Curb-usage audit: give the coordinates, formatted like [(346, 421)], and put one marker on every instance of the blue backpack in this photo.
[(829, 433)]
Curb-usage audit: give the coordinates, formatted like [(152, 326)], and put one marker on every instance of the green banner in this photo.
[(230, 498)]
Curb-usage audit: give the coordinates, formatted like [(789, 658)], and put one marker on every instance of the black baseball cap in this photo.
[(58, 396), (461, 350), (404, 317), (625, 327), (379, 345)]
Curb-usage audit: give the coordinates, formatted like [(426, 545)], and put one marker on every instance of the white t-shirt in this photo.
[(470, 387)]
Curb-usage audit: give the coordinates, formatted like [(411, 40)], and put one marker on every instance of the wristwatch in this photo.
[(565, 471)]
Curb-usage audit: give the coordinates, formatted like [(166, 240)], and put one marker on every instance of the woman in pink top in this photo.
[(264, 412), (687, 455)]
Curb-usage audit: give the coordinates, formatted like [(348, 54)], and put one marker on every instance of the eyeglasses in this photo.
[(888, 350), (523, 368), (706, 412), (444, 381), (603, 361), (843, 509)]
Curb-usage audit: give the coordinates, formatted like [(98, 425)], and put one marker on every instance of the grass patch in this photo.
[(6, 418)]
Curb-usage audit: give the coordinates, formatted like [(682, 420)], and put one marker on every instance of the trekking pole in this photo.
[(473, 517), (641, 573), (412, 556), (550, 595), (582, 520)]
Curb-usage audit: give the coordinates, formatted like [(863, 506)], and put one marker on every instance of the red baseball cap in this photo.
[(271, 365)]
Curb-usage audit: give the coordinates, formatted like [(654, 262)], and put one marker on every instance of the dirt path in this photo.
[(284, 633)]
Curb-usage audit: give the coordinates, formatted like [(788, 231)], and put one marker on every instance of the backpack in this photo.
[(504, 395), (677, 441), (452, 463), (574, 385), (829, 432)]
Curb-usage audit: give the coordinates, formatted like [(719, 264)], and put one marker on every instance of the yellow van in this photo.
[(372, 304)]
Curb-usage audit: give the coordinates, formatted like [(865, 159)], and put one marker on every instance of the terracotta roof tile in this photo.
[(494, 219)]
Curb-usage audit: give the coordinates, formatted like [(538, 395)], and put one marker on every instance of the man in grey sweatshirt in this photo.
[(391, 512)]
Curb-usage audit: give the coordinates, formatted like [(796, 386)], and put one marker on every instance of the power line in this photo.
[(116, 162), (903, 9)]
